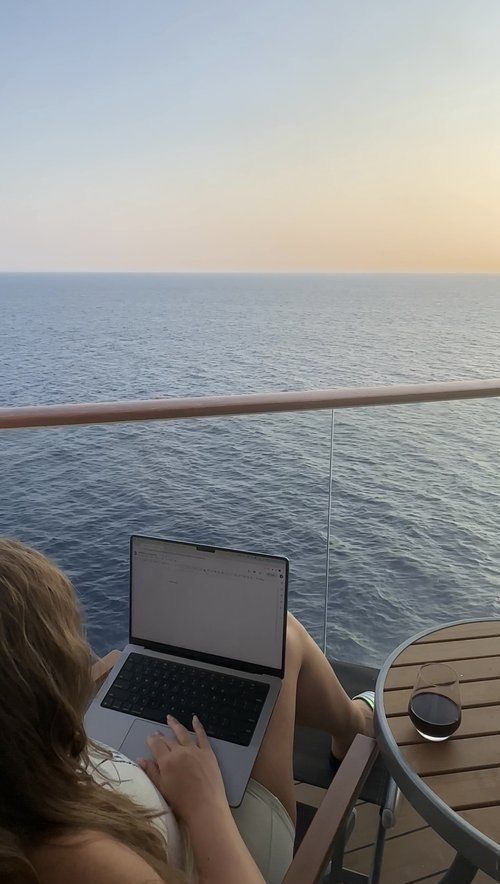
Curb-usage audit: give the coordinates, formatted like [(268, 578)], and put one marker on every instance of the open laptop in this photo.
[(206, 637)]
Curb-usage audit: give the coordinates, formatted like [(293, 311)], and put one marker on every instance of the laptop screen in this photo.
[(214, 603)]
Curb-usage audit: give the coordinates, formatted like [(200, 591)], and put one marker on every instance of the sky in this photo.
[(272, 135)]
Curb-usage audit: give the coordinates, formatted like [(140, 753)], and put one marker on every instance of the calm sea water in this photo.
[(416, 490)]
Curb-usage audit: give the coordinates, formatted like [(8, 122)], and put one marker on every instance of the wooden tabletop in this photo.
[(462, 775)]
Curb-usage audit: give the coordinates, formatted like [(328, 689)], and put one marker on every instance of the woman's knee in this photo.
[(294, 641), (295, 631)]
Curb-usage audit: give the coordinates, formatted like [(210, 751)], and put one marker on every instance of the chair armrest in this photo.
[(102, 667), (316, 847)]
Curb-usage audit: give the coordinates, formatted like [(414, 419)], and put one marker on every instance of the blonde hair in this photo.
[(45, 686)]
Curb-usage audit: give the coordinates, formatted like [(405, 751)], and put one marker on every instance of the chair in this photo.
[(323, 843), (320, 844), (313, 764)]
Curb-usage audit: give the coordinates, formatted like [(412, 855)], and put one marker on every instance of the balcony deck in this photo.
[(413, 852)]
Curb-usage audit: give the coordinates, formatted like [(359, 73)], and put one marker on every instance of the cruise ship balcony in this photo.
[(355, 622)]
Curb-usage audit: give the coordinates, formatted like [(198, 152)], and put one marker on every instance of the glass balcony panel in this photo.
[(415, 523), (258, 483)]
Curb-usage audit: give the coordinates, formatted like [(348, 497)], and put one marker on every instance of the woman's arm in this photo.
[(187, 774), (220, 853), (90, 858)]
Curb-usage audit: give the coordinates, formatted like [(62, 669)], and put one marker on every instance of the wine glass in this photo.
[(435, 708)]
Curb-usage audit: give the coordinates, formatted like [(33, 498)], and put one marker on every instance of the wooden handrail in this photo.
[(251, 403)]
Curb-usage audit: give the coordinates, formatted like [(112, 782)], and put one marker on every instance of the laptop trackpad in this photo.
[(134, 745)]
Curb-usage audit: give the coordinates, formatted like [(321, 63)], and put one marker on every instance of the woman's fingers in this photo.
[(200, 732), (151, 769), (183, 735), (160, 746)]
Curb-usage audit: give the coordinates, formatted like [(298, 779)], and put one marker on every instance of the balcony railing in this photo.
[(330, 400), (253, 403)]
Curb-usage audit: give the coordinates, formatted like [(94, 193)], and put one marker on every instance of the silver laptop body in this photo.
[(215, 609)]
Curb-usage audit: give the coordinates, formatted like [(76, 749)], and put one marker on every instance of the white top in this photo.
[(119, 772)]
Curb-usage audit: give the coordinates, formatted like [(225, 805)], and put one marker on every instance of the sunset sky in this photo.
[(287, 135)]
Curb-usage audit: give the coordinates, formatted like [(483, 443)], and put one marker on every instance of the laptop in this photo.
[(207, 637)]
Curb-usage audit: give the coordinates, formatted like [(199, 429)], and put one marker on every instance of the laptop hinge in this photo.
[(212, 659)]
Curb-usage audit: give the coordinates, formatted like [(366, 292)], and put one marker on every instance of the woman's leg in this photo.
[(312, 695)]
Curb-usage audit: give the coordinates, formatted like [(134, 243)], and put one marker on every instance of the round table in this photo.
[(454, 785)]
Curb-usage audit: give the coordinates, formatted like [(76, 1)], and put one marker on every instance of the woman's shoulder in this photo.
[(90, 857)]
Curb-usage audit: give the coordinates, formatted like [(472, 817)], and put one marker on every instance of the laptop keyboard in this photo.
[(149, 687)]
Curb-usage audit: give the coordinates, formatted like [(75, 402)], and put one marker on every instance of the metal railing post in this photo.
[(328, 522)]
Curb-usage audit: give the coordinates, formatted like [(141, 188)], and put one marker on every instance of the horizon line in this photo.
[(251, 272)]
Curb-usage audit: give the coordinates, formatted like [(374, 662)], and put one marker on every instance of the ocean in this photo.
[(415, 521)]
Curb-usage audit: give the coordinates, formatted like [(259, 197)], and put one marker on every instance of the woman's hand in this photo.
[(185, 770)]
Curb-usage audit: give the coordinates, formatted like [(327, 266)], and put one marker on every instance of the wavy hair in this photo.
[(46, 685)]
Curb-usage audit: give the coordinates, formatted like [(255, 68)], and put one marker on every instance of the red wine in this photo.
[(434, 716)]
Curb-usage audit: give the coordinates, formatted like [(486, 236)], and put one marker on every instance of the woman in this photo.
[(71, 811)]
